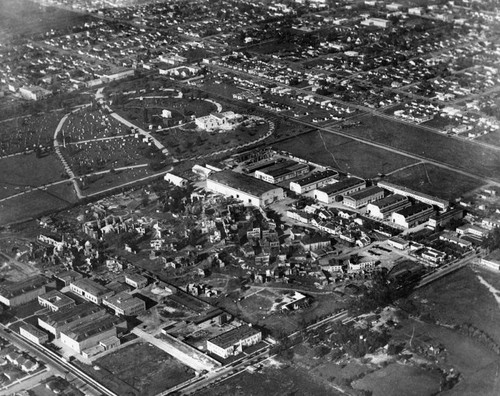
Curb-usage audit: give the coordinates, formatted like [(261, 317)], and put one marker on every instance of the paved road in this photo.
[(165, 346)]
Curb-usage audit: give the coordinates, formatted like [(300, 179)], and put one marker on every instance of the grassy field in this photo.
[(435, 181), (21, 172), (408, 380), (461, 298), (462, 154), (345, 154), (37, 202), (490, 138), (271, 381), (140, 369)]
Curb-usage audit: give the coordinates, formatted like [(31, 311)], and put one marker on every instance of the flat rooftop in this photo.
[(345, 184), (232, 337), (88, 329), (56, 298), (91, 287), (282, 168), (9, 290), (72, 314), (242, 182), (33, 330), (389, 186), (124, 300)]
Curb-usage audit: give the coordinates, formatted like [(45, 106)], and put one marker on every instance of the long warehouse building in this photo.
[(418, 196)]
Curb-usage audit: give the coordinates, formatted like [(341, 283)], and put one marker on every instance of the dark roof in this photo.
[(316, 177), (10, 290), (390, 200), (365, 193), (90, 286), (282, 168), (232, 337), (244, 183), (69, 315), (339, 187), (88, 329), (414, 209)]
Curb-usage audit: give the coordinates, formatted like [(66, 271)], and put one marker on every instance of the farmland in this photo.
[(436, 181), (140, 369), (479, 160), (344, 154)]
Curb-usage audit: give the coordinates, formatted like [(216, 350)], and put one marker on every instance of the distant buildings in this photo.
[(378, 22), (233, 341), (216, 121), (34, 93), (492, 261), (245, 188)]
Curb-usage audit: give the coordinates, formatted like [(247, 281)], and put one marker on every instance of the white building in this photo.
[(90, 290), (245, 188), (232, 342), (421, 197), (331, 192), (175, 180), (215, 121), (364, 197), (385, 207), (413, 215), (314, 181)]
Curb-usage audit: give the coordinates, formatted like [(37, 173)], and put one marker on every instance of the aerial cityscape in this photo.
[(250, 197)]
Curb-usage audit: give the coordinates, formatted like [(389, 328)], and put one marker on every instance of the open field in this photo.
[(345, 154), (22, 172), (461, 298), (23, 133), (462, 154), (412, 381), (24, 17), (139, 369), (435, 181), (490, 138), (271, 381), (37, 202)]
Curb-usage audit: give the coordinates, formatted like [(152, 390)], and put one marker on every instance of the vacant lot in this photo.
[(22, 172), (37, 202), (408, 380), (344, 154), (272, 381), (462, 154), (461, 298), (490, 138), (140, 369), (435, 181)]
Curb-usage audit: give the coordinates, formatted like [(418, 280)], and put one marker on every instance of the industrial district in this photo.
[(236, 197)]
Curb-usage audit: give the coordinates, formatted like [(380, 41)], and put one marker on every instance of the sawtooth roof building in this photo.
[(245, 188)]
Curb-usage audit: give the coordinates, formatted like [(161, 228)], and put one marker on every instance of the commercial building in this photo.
[(215, 121), (55, 300), (245, 188), (385, 207), (33, 333), (281, 171), (330, 193), (314, 181), (22, 292), (136, 280), (233, 341), (418, 196), (413, 215), (378, 22), (441, 219), (175, 179), (34, 93), (55, 322), (473, 230), (125, 304), (90, 290), (88, 334), (364, 197)]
